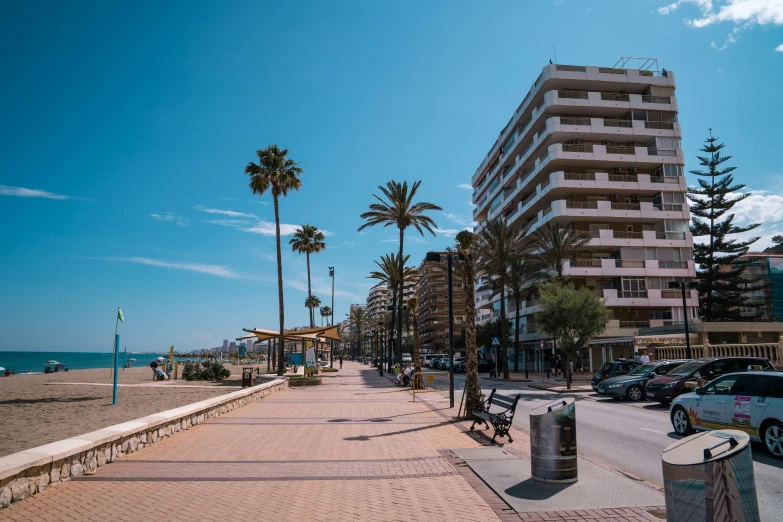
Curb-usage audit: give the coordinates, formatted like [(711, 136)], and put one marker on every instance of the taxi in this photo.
[(749, 401)]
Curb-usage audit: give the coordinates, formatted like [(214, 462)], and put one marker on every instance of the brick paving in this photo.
[(354, 448)]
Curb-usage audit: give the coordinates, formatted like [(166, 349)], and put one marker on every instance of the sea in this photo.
[(21, 362)]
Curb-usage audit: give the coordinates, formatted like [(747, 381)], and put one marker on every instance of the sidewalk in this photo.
[(354, 448)]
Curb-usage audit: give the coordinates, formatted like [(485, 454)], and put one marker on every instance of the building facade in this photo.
[(377, 301), (768, 268), (598, 150), (433, 312)]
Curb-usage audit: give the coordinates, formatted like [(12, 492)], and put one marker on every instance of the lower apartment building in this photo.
[(598, 149), (433, 312)]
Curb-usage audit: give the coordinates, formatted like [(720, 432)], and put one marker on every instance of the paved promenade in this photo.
[(355, 448)]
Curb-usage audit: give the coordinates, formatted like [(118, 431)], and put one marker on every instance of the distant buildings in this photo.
[(232, 347), (433, 312), (225, 346)]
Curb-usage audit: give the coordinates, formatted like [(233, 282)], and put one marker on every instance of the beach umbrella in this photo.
[(2, 369)]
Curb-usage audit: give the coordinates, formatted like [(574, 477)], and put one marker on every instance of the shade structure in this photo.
[(310, 334)]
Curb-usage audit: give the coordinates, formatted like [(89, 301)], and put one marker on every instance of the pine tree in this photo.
[(722, 284)]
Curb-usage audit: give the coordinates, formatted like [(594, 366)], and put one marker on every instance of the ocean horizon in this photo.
[(23, 361)]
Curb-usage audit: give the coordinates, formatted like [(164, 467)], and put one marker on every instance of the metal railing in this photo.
[(581, 204), (656, 99), (625, 263), (574, 121), (668, 207), (625, 206), (652, 151), (672, 264), (425, 382), (576, 176), (670, 235), (577, 148), (617, 123), (585, 263), (629, 178), (522, 126), (667, 125), (578, 95), (619, 234), (620, 149), (614, 96), (609, 70)]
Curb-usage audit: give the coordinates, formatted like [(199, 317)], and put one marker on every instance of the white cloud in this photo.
[(744, 14), (260, 227), (229, 213), (348, 244), (215, 270), (408, 239), (22, 192), (265, 203), (171, 217), (322, 287), (779, 48), (465, 186), (465, 220), (450, 232), (390, 240)]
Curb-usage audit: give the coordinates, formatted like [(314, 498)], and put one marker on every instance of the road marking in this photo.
[(654, 431)]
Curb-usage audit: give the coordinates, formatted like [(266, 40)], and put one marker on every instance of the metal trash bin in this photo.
[(247, 377), (553, 442), (709, 476)]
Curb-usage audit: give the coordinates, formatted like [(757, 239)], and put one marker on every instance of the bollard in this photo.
[(709, 476), (553, 442)]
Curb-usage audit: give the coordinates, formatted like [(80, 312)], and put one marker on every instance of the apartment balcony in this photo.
[(646, 238), (629, 268), (649, 298), (612, 128), (618, 212)]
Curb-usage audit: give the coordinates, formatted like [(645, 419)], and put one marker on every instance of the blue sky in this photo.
[(126, 127)]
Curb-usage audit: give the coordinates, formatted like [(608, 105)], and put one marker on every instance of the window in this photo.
[(721, 386), (724, 367), (748, 385), (770, 386), (650, 253), (666, 368)]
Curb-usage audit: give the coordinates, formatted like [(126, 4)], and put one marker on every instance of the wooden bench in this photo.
[(502, 420)]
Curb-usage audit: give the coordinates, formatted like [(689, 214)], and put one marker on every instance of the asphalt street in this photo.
[(632, 437)]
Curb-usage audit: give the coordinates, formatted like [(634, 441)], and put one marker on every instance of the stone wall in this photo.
[(29, 472)]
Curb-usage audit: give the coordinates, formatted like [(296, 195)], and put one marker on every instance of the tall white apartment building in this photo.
[(377, 300), (598, 149)]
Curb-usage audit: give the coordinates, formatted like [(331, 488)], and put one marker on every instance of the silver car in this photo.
[(631, 385)]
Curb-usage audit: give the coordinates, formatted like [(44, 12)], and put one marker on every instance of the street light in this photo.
[(435, 256), (331, 352), (682, 286)]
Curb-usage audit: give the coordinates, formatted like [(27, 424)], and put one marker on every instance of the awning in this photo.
[(322, 334), (613, 340)]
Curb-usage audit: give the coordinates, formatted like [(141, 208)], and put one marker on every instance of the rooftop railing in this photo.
[(609, 70), (571, 68)]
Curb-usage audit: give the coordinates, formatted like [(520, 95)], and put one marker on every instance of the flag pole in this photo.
[(114, 354)]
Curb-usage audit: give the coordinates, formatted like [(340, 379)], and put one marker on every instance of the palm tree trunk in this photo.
[(281, 365), (516, 337), (473, 390), (402, 298), (503, 340), (310, 293)]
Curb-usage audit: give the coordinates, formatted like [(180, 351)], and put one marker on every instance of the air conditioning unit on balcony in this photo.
[(612, 197), (617, 170), (590, 281), (635, 197), (632, 144), (632, 170), (576, 142), (604, 143)]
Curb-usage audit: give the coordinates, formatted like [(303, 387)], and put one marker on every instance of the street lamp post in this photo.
[(331, 352), (682, 286), (435, 256)]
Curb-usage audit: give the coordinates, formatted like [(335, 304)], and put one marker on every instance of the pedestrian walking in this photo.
[(341, 362), (645, 358)]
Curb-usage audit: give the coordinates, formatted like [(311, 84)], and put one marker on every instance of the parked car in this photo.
[(458, 362), (429, 357), (612, 369), (483, 366), (406, 358), (631, 385), (750, 401), (666, 388)]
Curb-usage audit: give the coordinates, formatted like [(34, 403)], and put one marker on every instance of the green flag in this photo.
[(119, 314)]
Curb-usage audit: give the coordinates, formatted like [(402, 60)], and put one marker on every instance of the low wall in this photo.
[(29, 472)]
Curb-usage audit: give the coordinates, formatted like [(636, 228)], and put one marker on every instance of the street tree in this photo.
[(413, 305), (524, 274), (554, 246), (466, 246), (571, 316), (307, 240)]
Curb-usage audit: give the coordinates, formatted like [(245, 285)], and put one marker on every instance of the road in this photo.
[(632, 437)]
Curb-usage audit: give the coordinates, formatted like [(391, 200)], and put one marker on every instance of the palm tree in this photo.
[(278, 173), (308, 240), (357, 319), (399, 210), (325, 312), (312, 302), (497, 246), (555, 246), (388, 274), (413, 305), (466, 245), (523, 274)]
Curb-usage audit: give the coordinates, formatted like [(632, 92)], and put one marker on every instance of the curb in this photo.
[(555, 390)]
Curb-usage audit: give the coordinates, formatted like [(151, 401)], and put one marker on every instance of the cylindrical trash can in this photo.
[(553, 442), (709, 477)]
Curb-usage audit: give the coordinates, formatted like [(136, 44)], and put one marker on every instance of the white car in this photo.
[(749, 401)]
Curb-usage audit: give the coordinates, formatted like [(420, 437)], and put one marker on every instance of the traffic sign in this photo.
[(496, 341), (542, 344)]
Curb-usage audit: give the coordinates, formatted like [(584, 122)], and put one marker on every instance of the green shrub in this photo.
[(205, 371), (327, 369)]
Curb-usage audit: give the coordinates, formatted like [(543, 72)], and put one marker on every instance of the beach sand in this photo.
[(35, 411)]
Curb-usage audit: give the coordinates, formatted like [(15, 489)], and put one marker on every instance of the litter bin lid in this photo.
[(706, 447), (552, 406)]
